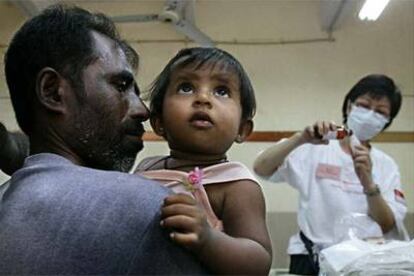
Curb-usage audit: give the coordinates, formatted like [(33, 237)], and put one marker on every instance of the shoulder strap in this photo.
[(227, 172)]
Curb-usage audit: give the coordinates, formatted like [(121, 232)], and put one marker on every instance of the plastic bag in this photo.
[(357, 226), (361, 249), (358, 257)]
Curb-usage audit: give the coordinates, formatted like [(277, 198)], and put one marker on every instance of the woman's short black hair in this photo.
[(377, 86), (199, 57)]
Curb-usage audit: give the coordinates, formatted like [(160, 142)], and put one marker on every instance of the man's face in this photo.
[(107, 117)]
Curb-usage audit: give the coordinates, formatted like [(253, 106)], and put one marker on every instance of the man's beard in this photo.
[(115, 158), (109, 153), (122, 159)]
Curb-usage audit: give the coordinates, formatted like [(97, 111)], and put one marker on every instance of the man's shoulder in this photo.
[(80, 194), (119, 183), (58, 175), (109, 220)]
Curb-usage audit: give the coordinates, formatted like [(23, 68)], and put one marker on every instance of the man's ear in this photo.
[(246, 128), (49, 89), (156, 125)]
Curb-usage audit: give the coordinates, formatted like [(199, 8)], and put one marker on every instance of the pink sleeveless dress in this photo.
[(219, 173)]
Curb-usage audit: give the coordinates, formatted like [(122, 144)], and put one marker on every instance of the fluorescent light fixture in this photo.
[(372, 9)]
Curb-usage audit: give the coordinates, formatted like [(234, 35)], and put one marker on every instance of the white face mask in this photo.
[(365, 123)]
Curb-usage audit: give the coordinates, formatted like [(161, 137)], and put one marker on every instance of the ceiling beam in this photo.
[(333, 13)]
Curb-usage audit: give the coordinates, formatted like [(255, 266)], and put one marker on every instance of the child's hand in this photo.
[(186, 219)]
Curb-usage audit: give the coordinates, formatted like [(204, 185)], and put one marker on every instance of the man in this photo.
[(66, 211)]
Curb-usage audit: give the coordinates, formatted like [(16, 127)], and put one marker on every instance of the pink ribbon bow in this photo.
[(193, 180)]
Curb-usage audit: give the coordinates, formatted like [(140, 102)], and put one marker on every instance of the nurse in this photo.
[(339, 177)]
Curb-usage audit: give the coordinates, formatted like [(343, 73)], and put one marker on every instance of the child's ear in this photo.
[(50, 90), (156, 125), (246, 128)]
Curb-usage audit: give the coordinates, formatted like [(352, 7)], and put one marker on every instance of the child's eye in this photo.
[(222, 91), (123, 85), (185, 88)]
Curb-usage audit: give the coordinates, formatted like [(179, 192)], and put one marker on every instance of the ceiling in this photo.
[(223, 21)]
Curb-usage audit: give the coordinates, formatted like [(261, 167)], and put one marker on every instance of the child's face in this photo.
[(202, 110)]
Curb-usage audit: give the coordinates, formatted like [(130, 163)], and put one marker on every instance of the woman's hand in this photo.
[(363, 165), (313, 134), (187, 220)]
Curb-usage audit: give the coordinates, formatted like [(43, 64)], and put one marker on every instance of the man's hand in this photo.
[(363, 165), (187, 220)]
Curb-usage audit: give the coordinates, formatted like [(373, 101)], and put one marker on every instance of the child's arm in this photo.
[(245, 246)]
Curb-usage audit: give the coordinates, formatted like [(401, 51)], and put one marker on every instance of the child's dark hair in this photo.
[(376, 86), (199, 57)]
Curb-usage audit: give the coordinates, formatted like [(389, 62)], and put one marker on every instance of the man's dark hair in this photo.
[(198, 57), (60, 38), (376, 86)]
